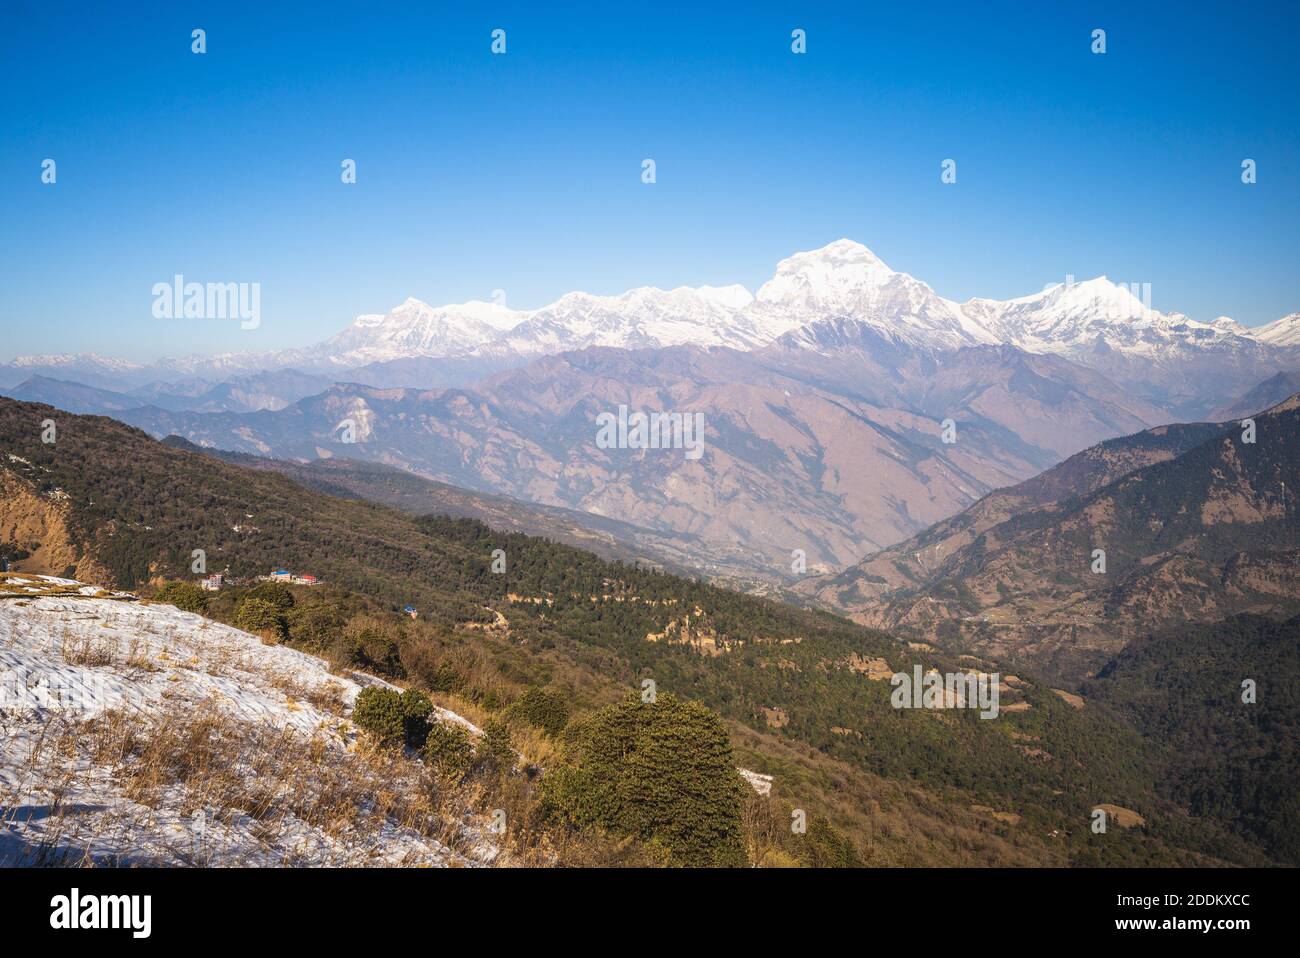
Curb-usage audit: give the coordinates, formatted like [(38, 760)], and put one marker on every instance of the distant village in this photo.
[(213, 583)]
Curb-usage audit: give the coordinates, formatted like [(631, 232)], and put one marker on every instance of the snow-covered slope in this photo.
[(1076, 319), (413, 328), (845, 279), (135, 733), (1281, 332), (640, 318)]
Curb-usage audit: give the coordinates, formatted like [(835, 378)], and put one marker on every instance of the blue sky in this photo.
[(522, 172)]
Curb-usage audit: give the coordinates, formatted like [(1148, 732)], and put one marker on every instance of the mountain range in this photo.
[(846, 406), (801, 451), (1096, 322)]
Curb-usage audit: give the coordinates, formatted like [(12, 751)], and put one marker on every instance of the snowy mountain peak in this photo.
[(845, 279), (414, 328), (734, 296), (412, 310), (71, 359), (1099, 297), (843, 251), (645, 317), (727, 297), (1228, 325), (1283, 332), (824, 277)]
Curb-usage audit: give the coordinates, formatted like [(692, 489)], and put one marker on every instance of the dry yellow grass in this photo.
[(205, 760)]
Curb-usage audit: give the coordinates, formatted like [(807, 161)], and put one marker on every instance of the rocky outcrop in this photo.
[(37, 525)]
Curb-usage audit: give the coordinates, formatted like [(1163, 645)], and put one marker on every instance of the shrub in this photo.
[(445, 679), (258, 615), (186, 596), (273, 592), (541, 708), (372, 644), (415, 717), (494, 750), (824, 846), (661, 772), (422, 662), (379, 713), (314, 626), (447, 748)]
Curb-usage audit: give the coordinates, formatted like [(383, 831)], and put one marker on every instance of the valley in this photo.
[(1194, 523)]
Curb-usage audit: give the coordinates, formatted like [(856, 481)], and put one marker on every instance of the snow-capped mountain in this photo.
[(845, 279), (1078, 318), (1074, 319), (413, 328), (1284, 332), (645, 317), (640, 318), (89, 368), (1167, 358), (1096, 322)]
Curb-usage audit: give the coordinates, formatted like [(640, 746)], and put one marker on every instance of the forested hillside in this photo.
[(1221, 701)]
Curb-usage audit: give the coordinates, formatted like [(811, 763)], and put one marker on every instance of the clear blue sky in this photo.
[(522, 171)]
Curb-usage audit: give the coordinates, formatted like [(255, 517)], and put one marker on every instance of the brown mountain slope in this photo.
[(34, 532), (800, 452), (918, 560), (1273, 390), (1206, 533), (606, 537)]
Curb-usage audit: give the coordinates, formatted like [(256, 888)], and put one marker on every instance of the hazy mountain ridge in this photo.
[(789, 434), (1272, 391), (251, 393), (919, 560)]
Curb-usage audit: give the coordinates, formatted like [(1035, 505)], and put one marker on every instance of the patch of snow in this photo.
[(69, 660), (762, 784)]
